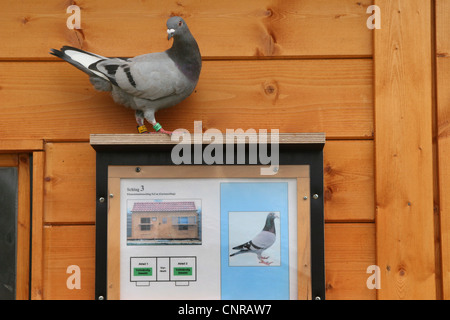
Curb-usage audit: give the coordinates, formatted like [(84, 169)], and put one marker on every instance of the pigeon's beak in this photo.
[(170, 33), (277, 216)]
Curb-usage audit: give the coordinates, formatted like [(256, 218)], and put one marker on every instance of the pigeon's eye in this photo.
[(180, 23)]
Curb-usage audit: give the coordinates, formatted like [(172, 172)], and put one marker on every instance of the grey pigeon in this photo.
[(262, 241), (146, 83)]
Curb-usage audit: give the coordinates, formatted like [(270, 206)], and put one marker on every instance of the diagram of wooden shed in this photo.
[(164, 221)]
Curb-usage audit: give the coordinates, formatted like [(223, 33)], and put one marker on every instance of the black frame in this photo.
[(145, 155)]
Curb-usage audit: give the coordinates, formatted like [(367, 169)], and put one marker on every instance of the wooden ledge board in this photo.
[(101, 140)]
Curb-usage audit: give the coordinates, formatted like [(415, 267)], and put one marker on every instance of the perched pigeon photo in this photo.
[(261, 242), (146, 83)]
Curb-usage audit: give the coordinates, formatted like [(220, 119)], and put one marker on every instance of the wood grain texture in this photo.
[(404, 155), (70, 177), (37, 229), (442, 29), (349, 251), (23, 229), (57, 102), (349, 181), (443, 134), (117, 140), (21, 145), (222, 28), (69, 183), (268, 64), (9, 160), (69, 246)]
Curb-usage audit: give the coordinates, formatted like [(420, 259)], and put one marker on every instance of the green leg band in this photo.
[(157, 127)]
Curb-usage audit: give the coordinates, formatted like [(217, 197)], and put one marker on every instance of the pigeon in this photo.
[(262, 241), (148, 82)]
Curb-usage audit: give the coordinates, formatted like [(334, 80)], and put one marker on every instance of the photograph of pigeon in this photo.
[(261, 241), (145, 83)]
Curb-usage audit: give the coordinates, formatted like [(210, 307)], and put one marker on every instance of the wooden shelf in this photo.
[(135, 140)]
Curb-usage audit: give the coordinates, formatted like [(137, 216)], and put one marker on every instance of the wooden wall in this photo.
[(443, 134), (296, 66)]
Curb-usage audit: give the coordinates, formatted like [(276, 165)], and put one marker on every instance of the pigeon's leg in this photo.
[(261, 259), (140, 121), (150, 117)]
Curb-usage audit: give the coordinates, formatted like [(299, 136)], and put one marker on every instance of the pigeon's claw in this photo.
[(166, 132), (265, 262)]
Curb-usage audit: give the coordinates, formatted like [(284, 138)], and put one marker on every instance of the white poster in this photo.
[(208, 239)]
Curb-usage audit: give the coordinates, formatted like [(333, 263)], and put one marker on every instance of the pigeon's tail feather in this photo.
[(238, 252), (79, 59), (238, 247)]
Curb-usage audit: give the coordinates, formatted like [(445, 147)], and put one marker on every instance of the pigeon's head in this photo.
[(270, 225), (175, 27), (272, 216)]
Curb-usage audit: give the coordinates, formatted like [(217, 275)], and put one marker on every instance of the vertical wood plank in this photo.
[(443, 133), (37, 256), (23, 229), (404, 156), (113, 273), (304, 240), (443, 140)]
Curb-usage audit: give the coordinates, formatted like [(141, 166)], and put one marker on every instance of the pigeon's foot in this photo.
[(166, 132), (264, 257), (265, 262)]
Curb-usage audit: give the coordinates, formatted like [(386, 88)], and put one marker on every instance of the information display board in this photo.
[(189, 232)]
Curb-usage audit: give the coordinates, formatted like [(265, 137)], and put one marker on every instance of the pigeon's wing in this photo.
[(244, 246), (264, 239), (151, 76)]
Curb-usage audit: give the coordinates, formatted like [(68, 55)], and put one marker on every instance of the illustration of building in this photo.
[(178, 220)]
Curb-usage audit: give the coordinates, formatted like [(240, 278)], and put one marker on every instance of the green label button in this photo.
[(142, 272), (185, 271)]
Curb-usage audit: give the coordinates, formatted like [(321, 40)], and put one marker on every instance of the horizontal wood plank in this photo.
[(21, 145), (349, 181), (57, 102), (349, 251), (67, 246), (69, 183), (224, 28), (9, 160)]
